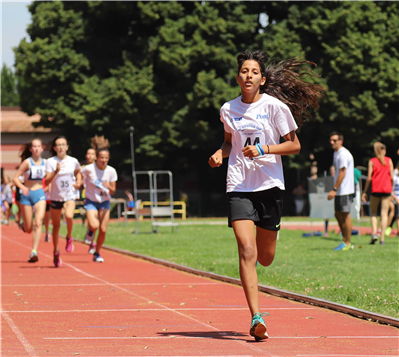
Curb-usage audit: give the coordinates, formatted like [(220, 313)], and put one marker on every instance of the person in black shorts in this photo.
[(253, 125)]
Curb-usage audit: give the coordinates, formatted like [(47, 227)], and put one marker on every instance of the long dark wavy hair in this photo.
[(99, 143), (284, 82), (25, 149)]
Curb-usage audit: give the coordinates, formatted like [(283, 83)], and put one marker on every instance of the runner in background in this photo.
[(7, 198), (32, 194), (47, 214), (63, 172), (100, 179), (90, 158), (17, 192)]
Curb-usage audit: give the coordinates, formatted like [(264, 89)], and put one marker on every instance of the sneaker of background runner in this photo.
[(47, 238), (374, 239), (69, 246), (33, 257), (388, 231), (347, 247), (22, 226), (97, 258), (258, 327), (89, 236), (382, 242), (57, 260), (341, 246), (326, 234), (92, 248)]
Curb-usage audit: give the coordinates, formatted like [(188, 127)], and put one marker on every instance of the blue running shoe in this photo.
[(342, 246), (258, 327), (97, 258)]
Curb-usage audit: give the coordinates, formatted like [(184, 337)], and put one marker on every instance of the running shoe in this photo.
[(374, 239), (89, 237), (47, 238), (92, 248), (388, 231), (33, 257), (57, 260), (344, 246), (258, 327), (97, 258), (382, 242), (69, 246)]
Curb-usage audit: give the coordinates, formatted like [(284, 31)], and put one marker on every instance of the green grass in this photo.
[(365, 277)]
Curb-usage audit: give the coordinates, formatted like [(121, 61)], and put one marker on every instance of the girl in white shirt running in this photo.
[(63, 172), (90, 158), (33, 170), (253, 124), (100, 180)]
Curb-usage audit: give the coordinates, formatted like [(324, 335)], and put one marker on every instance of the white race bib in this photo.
[(37, 172)]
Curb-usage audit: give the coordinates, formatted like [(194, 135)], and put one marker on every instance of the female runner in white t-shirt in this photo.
[(33, 170), (253, 125), (100, 180), (90, 158), (63, 172)]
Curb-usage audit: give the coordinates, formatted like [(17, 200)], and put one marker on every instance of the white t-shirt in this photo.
[(94, 178), (343, 158), (263, 122), (61, 188), (395, 187)]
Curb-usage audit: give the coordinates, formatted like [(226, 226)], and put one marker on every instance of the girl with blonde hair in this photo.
[(380, 175)]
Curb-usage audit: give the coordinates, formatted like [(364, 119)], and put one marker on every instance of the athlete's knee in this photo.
[(265, 259), (28, 228), (248, 253), (69, 216)]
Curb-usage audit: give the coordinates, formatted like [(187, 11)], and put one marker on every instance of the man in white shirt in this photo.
[(344, 188)]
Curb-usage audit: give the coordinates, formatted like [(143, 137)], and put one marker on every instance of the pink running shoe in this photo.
[(69, 246), (57, 260)]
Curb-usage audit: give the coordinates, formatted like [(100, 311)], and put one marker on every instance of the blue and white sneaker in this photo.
[(97, 258), (258, 327)]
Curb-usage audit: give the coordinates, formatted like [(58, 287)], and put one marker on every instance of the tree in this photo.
[(355, 45), (9, 93)]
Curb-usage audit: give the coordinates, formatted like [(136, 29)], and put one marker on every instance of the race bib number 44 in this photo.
[(37, 172)]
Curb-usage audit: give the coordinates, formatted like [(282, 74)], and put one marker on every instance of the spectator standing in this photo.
[(380, 175), (343, 189)]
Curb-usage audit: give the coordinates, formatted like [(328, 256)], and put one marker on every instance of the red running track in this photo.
[(131, 307)]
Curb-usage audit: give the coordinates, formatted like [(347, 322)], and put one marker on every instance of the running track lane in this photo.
[(132, 307)]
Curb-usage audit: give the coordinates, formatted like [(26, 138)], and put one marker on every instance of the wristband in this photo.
[(257, 148), (268, 150), (260, 149), (335, 189)]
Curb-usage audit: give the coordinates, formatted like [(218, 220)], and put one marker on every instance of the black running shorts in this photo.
[(264, 208)]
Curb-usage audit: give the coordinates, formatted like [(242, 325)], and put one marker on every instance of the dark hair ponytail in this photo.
[(284, 82)]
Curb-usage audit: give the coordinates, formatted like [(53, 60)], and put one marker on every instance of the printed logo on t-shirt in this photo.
[(262, 116), (236, 119)]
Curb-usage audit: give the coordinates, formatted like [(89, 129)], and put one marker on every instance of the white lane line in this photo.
[(21, 337), (210, 337), (145, 309), (242, 343), (351, 355), (124, 284)]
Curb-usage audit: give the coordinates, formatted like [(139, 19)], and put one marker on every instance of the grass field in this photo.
[(365, 277)]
